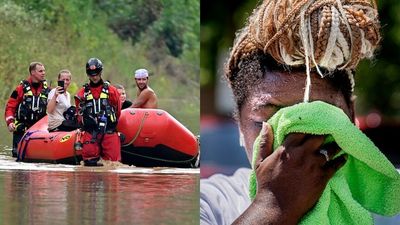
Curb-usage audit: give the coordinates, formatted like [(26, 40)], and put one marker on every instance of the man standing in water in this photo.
[(146, 98), (100, 106), (27, 103)]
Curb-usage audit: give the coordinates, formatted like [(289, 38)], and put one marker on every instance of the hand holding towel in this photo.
[(367, 183)]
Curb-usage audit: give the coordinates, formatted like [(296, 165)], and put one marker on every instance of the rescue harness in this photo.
[(97, 114), (33, 107)]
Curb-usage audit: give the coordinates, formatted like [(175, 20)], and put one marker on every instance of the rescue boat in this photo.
[(152, 138)]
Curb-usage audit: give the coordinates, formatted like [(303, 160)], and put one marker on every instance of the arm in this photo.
[(52, 102), (141, 99), (291, 179), (78, 98), (116, 102), (11, 107)]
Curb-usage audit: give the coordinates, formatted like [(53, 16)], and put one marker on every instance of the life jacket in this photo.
[(98, 114), (33, 107)]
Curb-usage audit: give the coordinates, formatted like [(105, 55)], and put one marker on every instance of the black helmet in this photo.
[(94, 67)]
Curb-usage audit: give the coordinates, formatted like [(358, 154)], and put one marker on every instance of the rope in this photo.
[(158, 159), (20, 157), (146, 114)]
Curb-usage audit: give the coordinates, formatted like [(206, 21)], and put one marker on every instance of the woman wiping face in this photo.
[(293, 51)]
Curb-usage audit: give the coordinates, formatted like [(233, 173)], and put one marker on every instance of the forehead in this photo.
[(284, 89), (39, 67), (65, 75)]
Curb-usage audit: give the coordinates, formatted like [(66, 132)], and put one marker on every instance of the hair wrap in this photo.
[(141, 73)]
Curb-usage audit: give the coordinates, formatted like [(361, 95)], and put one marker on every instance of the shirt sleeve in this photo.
[(224, 198), (115, 101), (69, 99), (51, 95), (12, 104)]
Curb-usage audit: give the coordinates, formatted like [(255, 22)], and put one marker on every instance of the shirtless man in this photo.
[(145, 98)]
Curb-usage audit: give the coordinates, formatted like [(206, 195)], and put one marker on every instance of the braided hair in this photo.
[(329, 37)]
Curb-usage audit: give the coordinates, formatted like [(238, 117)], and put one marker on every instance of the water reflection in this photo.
[(36, 193), (56, 197)]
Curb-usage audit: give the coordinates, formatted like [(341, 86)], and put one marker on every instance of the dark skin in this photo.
[(291, 179)]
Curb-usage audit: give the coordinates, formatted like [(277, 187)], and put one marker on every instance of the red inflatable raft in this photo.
[(152, 138)]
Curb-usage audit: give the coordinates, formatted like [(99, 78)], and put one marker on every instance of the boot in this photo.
[(14, 153), (92, 162)]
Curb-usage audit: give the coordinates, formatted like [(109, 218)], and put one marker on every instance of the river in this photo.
[(39, 193)]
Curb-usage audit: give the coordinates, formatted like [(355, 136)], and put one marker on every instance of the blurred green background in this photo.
[(377, 81), (162, 36)]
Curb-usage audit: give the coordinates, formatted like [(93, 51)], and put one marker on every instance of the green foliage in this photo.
[(173, 24), (129, 19), (64, 34), (378, 82)]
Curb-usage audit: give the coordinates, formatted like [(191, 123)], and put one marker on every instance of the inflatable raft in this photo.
[(152, 137)]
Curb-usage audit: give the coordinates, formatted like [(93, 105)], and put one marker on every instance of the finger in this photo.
[(267, 139), (312, 143), (265, 145), (293, 139), (11, 128), (334, 165)]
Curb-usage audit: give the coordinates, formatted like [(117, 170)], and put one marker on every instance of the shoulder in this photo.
[(150, 90), (81, 91), (51, 93), (22, 84), (25, 82), (224, 198), (44, 84), (112, 88), (147, 92), (19, 87)]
